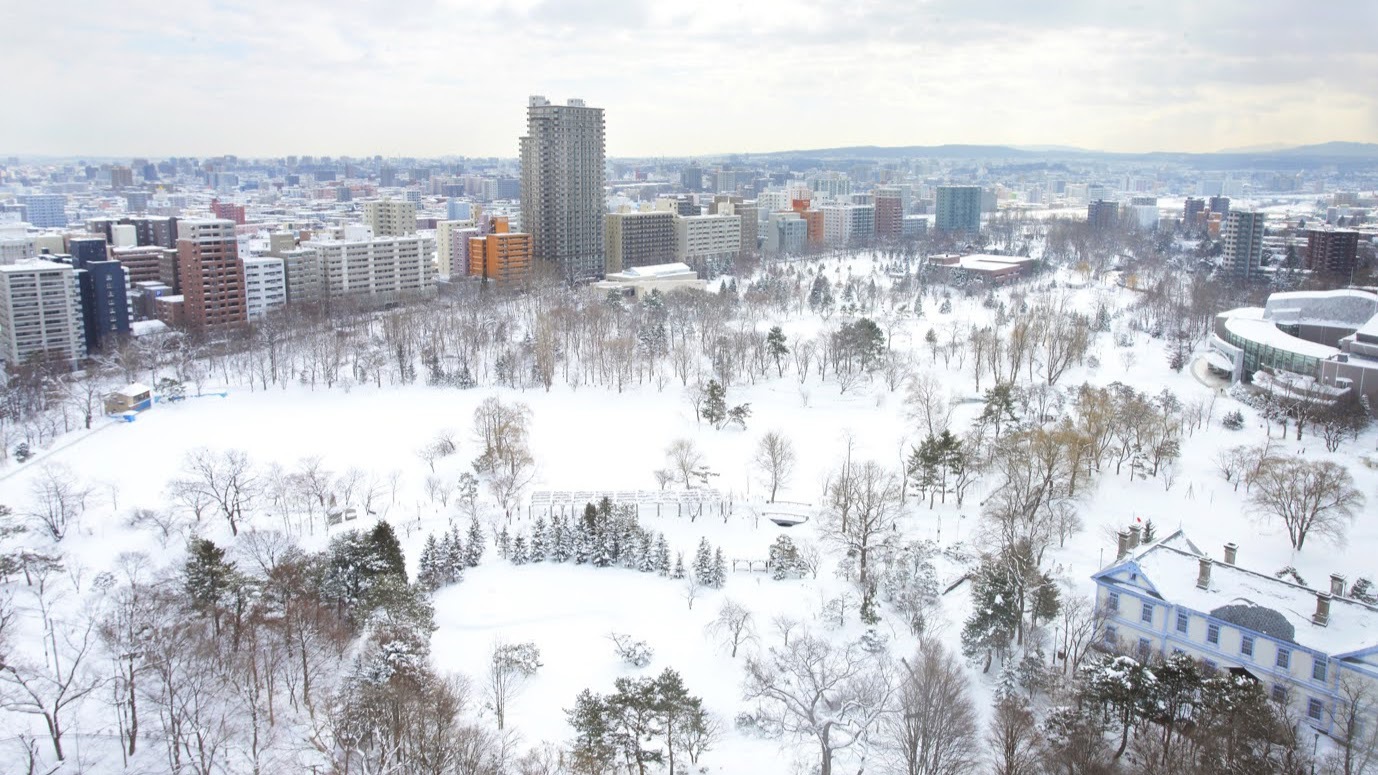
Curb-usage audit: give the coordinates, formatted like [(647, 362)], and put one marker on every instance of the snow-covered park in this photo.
[(373, 443)]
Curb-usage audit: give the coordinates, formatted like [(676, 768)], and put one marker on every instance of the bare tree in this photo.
[(862, 502), (733, 626), (1356, 740), (509, 667), (1308, 496), (501, 430), (692, 587), (54, 689), (226, 479), (684, 459), (815, 689), (1081, 627), (60, 499), (1013, 738), (927, 405), (775, 459), (934, 728)]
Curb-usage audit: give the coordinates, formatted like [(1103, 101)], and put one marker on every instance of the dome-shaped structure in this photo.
[(1258, 619)]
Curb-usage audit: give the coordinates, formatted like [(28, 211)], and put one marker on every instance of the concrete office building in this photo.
[(265, 285), (1243, 236), (1193, 212), (211, 274), (1334, 251), (390, 217), (638, 239), (104, 289), (40, 312), (958, 209), (706, 242), (302, 269), (45, 211), (562, 185)]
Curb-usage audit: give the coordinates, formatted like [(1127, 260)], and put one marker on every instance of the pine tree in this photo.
[(777, 349), (561, 548), (453, 555), (662, 555), (539, 545), (387, 547), (647, 553), (206, 576), (428, 570), (719, 579), (474, 546), (519, 552), (784, 558), (703, 560), (678, 572), (504, 544), (715, 404)]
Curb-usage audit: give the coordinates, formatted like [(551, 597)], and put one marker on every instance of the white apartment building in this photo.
[(265, 285), (707, 239), (452, 245), (390, 217), (40, 311), (847, 223), (1305, 646), (381, 268)]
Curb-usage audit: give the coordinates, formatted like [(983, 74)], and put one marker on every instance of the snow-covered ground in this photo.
[(595, 439)]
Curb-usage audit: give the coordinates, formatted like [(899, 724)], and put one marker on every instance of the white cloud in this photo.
[(430, 77)]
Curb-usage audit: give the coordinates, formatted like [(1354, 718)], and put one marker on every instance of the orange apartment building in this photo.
[(813, 220), (501, 255)]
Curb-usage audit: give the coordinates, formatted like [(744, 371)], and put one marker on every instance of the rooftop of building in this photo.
[(1171, 567), (656, 272), (33, 264)]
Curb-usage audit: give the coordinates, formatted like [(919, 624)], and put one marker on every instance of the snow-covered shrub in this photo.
[(873, 642), (632, 652), (1232, 421)]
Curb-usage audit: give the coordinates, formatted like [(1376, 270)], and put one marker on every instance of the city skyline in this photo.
[(408, 80)]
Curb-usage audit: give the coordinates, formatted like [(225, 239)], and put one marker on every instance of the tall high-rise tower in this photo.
[(212, 274), (1243, 234), (562, 185), (959, 209)]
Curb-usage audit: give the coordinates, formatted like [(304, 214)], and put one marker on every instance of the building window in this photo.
[(1112, 601), (1284, 658), (1144, 647), (1182, 621), (1112, 635), (1246, 646), (1213, 634), (1315, 708), (1146, 613), (1280, 694), (1318, 668), (1210, 664)]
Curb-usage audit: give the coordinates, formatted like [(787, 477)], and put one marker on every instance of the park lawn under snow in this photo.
[(600, 440)]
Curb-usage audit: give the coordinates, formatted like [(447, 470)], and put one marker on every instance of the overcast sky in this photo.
[(441, 77)]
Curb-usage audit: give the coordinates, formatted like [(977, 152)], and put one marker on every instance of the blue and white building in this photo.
[(1303, 645)]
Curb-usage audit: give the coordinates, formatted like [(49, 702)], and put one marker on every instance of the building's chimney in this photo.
[(1134, 532), (1231, 551), (1122, 547), (1203, 577), (1322, 616), (1337, 585)]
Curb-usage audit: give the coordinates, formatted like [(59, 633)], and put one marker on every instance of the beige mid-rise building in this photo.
[(40, 312), (380, 268), (390, 217), (638, 239)]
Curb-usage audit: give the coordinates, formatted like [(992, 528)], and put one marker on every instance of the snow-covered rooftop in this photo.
[(658, 270), (1267, 334), (1172, 568), (1343, 308)]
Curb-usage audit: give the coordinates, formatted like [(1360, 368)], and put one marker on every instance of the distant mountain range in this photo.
[(1332, 152)]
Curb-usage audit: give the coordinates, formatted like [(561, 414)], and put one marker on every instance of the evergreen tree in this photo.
[(561, 546), (474, 545), (539, 545), (703, 561), (519, 552), (662, 551), (206, 577), (385, 543), (777, 349), (719, 577), (678, 572), (945, 307), (784, 558), (429, 571), (454, 555), (504, 544), (646, 562), (715, 404)]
